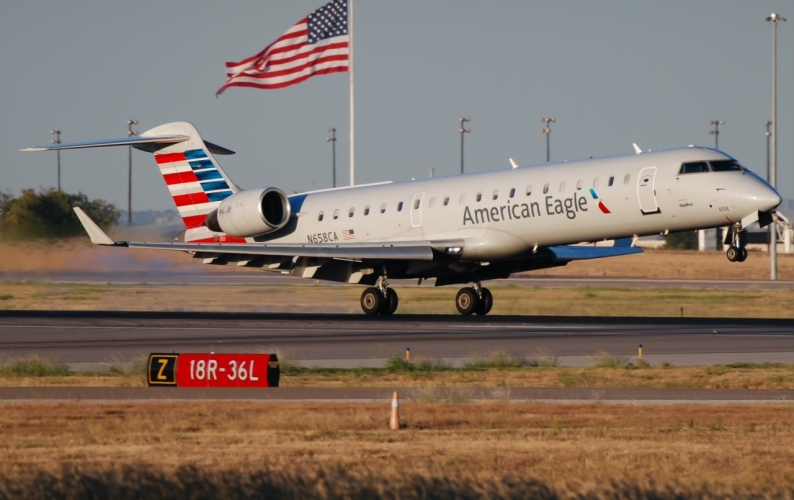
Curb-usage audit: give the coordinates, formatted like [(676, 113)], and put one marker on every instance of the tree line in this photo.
[(48, 214)]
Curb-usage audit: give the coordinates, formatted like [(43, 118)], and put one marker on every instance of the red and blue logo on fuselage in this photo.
[(601, 205)]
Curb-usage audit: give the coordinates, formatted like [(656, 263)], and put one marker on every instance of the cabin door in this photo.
[(416, 210), (646, 191)]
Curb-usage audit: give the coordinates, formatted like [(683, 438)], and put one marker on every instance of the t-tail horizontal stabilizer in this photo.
[(98, 237)]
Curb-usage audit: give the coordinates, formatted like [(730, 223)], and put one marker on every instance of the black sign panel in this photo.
[(162, 369)]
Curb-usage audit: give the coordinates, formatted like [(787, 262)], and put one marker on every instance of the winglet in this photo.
[(636, 148), (98, 237), (513, 163)]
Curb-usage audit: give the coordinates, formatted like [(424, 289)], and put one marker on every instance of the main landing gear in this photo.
[(379, 299), (475, 300), (736, 252)]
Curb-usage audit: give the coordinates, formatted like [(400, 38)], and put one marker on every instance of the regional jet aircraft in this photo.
[(459, 230)]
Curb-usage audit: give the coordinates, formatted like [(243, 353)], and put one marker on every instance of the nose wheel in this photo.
[(475, 300), (737, 251)]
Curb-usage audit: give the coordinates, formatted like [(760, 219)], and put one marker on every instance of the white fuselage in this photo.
[(505, 213)]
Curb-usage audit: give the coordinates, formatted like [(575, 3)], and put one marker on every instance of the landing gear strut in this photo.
[(475, 300), (736, 252), (379, 299)]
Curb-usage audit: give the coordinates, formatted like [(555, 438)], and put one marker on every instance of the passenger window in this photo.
[(463, 198), (579, 184), (416, 203), (562, 187), (529, 190), (626, 179), (400, 207), (320, 217), (698, 167), (495, 194), (366, 210), (596, 182), (351, 212), (512, 192), (725, 166), (383, 208), (446, 201), (432, 202), (336, 213), (545, 189), (611, 180), (479, 196)]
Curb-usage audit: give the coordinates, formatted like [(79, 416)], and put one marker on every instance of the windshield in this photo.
[(725, 165)]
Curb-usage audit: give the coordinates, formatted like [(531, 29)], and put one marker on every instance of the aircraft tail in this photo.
[(195, 180)]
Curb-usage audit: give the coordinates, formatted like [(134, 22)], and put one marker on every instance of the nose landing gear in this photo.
[(379, 299), (475, 300), (737, 251)]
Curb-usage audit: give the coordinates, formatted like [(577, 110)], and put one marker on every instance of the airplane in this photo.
[(459, 230)]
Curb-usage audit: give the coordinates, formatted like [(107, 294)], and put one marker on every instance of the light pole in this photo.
[(130, 133), (774, 19), (716, 131), (463, 130), (768, 134), (332, 140), (57, 140), (547, 130)]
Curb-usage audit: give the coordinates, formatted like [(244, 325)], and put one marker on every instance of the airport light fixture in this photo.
[(463, 130), (547, 130), (716, 131), (57, 140), (130, 133), (768, 134), (332, 140), (774, 19)]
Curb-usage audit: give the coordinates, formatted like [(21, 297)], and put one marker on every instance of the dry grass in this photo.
[(79, 255), (739, 376), (738, 448), (413, 300)]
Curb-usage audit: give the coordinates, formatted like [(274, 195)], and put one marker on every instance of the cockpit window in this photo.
[(725, 166), (694, 168)]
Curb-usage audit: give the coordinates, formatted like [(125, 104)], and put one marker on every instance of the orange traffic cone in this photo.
[(394, 420)]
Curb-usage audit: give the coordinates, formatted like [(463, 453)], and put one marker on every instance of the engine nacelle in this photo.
[(251, 213)]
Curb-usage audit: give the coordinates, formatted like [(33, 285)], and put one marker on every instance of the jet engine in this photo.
[(251, 213)]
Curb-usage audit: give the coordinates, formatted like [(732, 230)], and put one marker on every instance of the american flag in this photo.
[(348, 234), (316, 45)]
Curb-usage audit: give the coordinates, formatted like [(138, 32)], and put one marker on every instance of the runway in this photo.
[(368, 395), (94, 338)]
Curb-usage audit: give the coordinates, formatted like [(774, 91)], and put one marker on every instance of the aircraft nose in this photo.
[(768, 199)]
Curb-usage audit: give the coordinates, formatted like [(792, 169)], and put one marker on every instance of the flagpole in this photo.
[(352, 100)]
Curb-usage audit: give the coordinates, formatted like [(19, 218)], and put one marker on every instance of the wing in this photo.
[(571, 253)]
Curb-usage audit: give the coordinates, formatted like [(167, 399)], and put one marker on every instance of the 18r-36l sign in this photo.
[(214, 370)]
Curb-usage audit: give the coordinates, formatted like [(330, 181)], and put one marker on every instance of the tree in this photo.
[(685, 240), (48, 214)]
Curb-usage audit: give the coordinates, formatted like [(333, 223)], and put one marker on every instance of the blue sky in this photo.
[(611, 72)]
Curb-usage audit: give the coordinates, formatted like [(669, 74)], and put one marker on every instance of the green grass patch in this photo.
[(34, 367), (6, 297)]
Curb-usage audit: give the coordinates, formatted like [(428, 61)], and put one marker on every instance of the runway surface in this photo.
[(95, 338), (247, 277), (340, 395)]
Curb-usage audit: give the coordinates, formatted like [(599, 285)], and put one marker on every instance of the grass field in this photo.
[(78, 255), (468, 450), (413, 300), (492, 371)]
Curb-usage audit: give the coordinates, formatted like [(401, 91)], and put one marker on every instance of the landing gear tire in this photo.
[(389, 303), (467, 301), (734, 254), (372, 301), (742, 254), (486, 303)]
